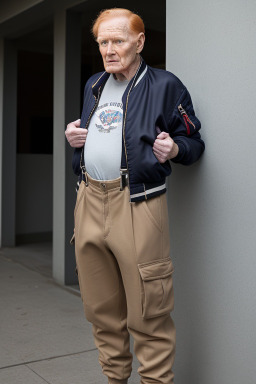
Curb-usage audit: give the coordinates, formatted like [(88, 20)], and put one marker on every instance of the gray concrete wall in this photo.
[(211, 47), (59, 161), (34, 194), (67, 61), (1, 124)]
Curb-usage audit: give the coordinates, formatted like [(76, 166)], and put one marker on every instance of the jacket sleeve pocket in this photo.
[(184, 120), (184, 128), (157, 296)]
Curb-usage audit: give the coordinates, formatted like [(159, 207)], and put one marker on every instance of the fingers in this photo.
[(75, 135), (163, 146), (77, 122), (161, 157), (163, 135), (165, 149), (74, 124), (77, 131), (158, 152), (77, 143)]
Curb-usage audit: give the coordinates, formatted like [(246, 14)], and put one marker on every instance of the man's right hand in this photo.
[(75, 135)]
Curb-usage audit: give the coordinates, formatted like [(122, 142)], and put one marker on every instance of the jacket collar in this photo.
[(105, 75)]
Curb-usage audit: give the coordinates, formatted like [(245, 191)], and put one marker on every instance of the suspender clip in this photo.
[(124, 179)]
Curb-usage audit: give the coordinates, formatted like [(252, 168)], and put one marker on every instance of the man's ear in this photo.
[(140, 42)]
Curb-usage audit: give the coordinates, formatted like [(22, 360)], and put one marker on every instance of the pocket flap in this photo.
[(158, 269)]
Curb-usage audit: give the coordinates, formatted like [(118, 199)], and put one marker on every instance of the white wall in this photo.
[(211, 46), (34, 194)]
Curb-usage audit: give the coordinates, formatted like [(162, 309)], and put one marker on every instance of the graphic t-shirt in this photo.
[(103, 146)]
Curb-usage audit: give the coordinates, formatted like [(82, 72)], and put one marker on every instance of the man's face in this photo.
[(119, 46)]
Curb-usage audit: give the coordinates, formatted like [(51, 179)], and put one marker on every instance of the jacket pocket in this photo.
[(157, 296)]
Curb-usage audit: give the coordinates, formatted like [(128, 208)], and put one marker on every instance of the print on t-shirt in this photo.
[(110, 116)]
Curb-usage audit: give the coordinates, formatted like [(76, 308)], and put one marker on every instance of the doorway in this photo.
[(34, 152)]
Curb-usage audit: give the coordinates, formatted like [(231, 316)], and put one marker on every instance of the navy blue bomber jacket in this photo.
[(154, 99)]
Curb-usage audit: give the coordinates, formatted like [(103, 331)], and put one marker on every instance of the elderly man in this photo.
[(134, 120)]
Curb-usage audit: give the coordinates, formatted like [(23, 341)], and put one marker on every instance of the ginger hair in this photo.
[(136, 22)]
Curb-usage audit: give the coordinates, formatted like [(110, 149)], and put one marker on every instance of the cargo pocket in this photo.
[(157, 296)]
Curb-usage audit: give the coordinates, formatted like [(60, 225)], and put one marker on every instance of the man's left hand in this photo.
[(165, 148)]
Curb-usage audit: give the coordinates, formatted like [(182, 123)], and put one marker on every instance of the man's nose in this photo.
[(110, 49)]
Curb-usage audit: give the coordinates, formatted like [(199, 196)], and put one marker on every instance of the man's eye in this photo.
[(103, 43), (119, 41)]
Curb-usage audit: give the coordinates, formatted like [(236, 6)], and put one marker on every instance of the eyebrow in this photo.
[(111, 38)]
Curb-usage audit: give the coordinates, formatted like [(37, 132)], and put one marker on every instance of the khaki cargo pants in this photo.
[(125, 278)]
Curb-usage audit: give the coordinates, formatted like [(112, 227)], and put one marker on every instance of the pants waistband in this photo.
[(104, 185)]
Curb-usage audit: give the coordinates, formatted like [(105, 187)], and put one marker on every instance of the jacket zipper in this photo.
[(124, 123)]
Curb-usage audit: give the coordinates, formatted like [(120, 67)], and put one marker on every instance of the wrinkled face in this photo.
[(119, 46)]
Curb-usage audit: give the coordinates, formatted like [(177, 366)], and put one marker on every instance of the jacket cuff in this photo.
[(182, 150)]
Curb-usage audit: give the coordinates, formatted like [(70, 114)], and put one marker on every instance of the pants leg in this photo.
[(142, 248), (122, 252), (101, 285)]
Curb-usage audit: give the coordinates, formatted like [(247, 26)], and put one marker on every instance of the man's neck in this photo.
[(129, 74)]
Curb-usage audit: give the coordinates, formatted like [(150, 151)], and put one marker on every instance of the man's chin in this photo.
[(112, 69)]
